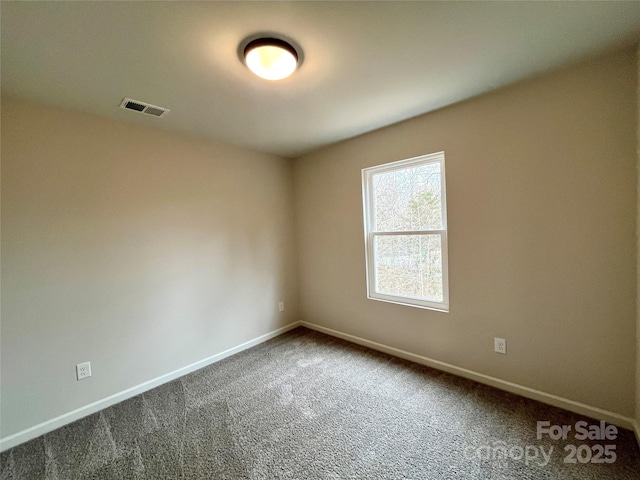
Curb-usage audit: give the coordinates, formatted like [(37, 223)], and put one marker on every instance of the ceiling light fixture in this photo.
[(271, 58)]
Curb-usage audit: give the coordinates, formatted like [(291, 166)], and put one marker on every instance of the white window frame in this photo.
[(370, 233)]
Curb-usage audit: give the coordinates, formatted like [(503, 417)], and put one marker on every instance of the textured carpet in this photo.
[(308, 406)]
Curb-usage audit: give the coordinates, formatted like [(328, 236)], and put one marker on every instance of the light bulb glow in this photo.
[(271, 61)]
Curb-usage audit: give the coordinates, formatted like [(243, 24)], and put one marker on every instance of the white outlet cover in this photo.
[(499, 345), (83, 370), (281, 306)]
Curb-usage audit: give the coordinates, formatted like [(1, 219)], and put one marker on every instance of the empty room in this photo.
[(319, 240)]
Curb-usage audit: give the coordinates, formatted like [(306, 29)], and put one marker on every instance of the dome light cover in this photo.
[(271, 58)]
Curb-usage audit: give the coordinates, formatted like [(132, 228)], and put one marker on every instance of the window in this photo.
[(405, 226)]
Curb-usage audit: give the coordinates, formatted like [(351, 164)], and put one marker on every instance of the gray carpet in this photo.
[(308, 406)]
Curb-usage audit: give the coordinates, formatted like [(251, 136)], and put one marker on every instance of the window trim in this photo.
[(370, 234)]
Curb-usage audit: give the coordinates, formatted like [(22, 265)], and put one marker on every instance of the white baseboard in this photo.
[(571, 405), (66, 418), (548, 398)]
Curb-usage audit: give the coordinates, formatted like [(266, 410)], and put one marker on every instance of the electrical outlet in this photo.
[(83, 370), (500, 345), (281, 306)]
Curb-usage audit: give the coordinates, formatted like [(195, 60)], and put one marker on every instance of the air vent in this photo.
[(142, 107)]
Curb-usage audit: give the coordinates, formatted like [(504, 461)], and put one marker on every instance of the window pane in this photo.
[(408, 199), (409, 265)]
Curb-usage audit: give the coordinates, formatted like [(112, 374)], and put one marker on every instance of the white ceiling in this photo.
[(366, 64)]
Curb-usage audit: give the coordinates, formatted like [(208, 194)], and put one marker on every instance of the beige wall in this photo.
[(638, 261), (138, 250), (541, 183)]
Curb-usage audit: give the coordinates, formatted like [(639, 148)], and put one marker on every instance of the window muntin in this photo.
[(406, 233)]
